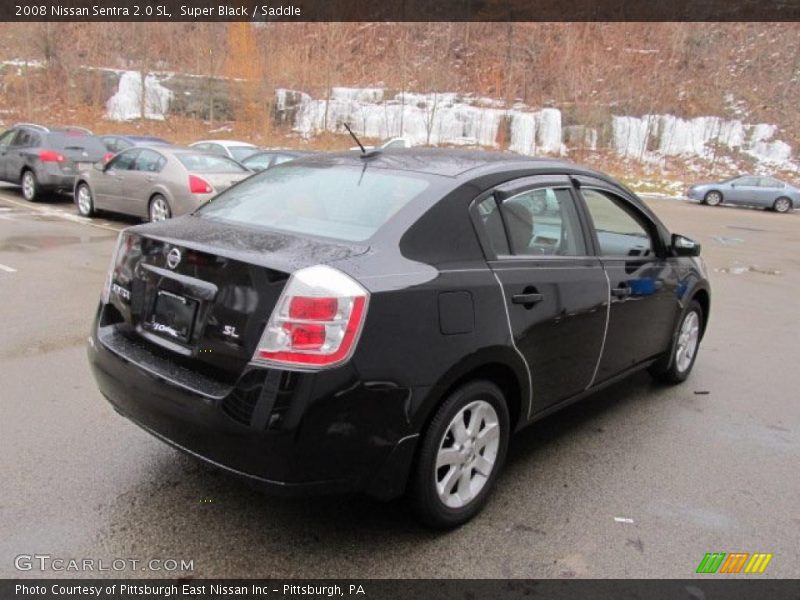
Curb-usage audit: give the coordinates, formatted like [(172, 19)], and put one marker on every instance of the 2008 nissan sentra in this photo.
[(384, 323)]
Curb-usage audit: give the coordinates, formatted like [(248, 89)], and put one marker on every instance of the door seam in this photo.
[(605, 329), (514, 345)]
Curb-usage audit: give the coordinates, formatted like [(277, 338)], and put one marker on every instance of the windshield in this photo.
[(344, 203), (242, 152), (209, 163)]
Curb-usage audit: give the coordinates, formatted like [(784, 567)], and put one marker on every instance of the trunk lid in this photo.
[(199, 292)]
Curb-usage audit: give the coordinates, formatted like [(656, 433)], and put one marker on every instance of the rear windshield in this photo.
[(209, 163), (337, 202), (242, 152), (77, 142)]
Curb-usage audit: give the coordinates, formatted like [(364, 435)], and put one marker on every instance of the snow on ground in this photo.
[(126, 103)]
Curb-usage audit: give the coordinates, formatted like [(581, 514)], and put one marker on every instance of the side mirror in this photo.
[(683, 246)]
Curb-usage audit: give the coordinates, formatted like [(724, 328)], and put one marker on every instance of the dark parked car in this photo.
[(265, 159), (385, 323), (43, 159), (117, 143), (748, 190)]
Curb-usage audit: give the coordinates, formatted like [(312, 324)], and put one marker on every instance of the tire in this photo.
[(782, 205), (469, 454), (159, 209), (30, 186), (84, 200), (713, 198), (677, 366)]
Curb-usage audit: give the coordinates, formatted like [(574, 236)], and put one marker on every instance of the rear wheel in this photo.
[(159, 208), (782, 205), (30, 186), (460, 455), (713, 198), (676, 368), (84, 200)]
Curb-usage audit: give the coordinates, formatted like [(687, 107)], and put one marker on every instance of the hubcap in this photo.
[(713, 199), (84, 200), (159, 210), (467, 454), (28, 185), (782, 205), (687, 341)]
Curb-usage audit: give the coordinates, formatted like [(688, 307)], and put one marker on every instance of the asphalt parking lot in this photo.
[(638, 481)]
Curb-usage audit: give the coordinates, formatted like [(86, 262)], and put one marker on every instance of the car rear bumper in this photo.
[(55, 181), (295, 434)]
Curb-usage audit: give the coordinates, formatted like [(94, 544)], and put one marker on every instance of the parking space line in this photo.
[(50, 211), (7, 269)]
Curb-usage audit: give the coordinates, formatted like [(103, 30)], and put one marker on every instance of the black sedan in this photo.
[(384, 323)]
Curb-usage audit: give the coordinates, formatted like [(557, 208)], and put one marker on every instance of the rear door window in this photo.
[(149, 162), (538, 222)]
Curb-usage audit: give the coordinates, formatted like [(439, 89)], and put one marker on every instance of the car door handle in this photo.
[(528, 299), (623, 291)]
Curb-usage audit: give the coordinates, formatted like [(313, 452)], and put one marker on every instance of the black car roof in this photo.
[(446, 162)]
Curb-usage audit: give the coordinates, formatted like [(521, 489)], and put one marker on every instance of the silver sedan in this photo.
[(748, 190), (155, 182)]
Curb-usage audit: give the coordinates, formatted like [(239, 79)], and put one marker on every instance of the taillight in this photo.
[(51, 156), (107, 157), (317, 321), (198, 185), (123, 240)]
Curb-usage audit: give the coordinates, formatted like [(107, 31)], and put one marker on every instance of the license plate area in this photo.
[(173, 316), (84, 166)]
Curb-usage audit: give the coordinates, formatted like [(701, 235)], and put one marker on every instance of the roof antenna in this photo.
[(353, 135)]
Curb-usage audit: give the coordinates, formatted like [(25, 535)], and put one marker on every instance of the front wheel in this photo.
[(460, 456), (83, 198), (685, 348), (713, 198), (782, 205)]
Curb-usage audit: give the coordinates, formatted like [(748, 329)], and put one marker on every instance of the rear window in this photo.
[(77, 142), (338, 202), (209, 163), (242, 152)]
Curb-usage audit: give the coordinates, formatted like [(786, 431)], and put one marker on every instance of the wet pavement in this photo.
[(638, 481)]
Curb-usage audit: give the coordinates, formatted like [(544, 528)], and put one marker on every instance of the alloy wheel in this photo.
[(688, 339), (782, 205), (84, 200), (467, 454), (28, 186), (713, 198), (159, 209)]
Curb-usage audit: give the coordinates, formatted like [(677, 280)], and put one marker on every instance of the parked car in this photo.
[(117, 143), (392, 143), (385, 323), (264, 159), (155, 182), (230, 148), (43, 159), (749, 190)]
